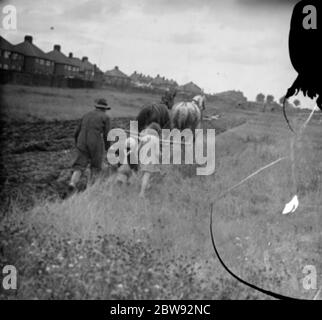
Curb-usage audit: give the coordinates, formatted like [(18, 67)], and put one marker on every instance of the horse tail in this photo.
[(185, 115), (142, 118)]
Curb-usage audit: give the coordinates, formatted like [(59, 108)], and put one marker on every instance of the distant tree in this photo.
[(270, 99), (260, 98), (297, 102)]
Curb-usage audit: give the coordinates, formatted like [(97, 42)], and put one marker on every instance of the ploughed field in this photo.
[(37, 157)]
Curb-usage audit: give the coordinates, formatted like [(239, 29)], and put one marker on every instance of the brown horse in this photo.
[(158, 112)]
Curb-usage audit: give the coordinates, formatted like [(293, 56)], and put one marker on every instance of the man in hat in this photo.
[(90, 137), (168, 98)]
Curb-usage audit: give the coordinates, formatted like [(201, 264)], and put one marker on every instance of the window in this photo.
[(0, 65), (48, 63), (41, 61), (6, 54), (5, 66), (13, 67)]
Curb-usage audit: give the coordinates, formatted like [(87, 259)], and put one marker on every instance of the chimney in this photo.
[(28, 39), (116, 67), (57, 47), (85, 59), (70, 55)]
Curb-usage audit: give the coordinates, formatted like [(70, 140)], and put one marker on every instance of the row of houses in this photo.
[(27, 58), (139, 80)]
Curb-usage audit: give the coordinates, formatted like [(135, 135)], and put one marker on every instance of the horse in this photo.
[(187, 115), (158, 112)]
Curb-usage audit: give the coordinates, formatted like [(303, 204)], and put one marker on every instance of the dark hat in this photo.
[(102, 104)]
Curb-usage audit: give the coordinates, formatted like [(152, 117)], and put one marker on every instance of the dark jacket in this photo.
[(92, 132)]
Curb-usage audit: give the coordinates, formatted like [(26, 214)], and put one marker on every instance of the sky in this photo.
[(218, 44)]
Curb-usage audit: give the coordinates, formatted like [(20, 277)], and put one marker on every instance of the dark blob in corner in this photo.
[(305, 46)]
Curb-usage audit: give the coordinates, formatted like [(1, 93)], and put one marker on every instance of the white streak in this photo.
[(291, 206)]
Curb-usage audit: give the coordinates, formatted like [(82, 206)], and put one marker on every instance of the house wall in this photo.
[(11, 60), (88, 74), (59, 69), (74, 72), (37, 65), (117, 81)]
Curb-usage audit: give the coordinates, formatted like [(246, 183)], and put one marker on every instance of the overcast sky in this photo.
[(219, 44)]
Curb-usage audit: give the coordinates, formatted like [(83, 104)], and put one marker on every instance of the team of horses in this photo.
[(182, 115)]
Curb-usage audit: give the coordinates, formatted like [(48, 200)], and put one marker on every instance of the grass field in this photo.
[(32, 103), (107, 243)]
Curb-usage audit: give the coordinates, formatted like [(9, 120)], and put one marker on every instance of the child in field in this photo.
[(125, 168), (149, 154)]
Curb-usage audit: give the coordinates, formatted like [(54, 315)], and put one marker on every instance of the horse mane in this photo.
[(199, 99)]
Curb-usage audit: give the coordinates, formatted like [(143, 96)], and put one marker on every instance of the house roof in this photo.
[(5, 45), (27, 48), (116, 72), (158, 80), (86, 65), (135, 76), (83, 63), (76, 61), (191, 87), (59, 57), (97, 69)]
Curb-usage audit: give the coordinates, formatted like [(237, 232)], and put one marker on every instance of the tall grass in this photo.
[(168, 232), (107, 243)]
